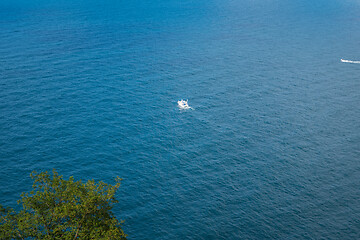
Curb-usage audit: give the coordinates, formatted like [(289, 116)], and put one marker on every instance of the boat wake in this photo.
[(183, 105), (349, 61)]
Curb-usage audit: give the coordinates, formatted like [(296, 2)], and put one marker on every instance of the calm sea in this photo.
[(270, 150)]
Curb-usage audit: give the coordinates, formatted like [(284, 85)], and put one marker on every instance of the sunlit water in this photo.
[(271, 149)]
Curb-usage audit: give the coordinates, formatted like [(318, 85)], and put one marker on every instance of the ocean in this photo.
[(269, 150)]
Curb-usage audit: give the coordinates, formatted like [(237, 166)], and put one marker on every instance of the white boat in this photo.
[(182, 104), (349, 61)]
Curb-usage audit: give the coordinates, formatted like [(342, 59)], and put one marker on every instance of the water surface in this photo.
[(271, 149)]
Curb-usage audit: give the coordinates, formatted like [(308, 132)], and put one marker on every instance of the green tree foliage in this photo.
[(63, 209)]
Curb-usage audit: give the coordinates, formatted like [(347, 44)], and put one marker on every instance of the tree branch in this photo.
[(77, 232)]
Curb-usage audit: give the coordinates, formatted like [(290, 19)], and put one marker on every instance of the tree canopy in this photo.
[(63, 209)]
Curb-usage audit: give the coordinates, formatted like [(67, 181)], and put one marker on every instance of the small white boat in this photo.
[(349, 61), (182, 104)]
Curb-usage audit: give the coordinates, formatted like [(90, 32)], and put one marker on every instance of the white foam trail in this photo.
[(349, 61), (183, 105)]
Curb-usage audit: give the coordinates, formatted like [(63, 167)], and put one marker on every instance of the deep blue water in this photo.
[(270, 151)]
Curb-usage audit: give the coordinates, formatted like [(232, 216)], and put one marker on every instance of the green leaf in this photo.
[(63, 209)]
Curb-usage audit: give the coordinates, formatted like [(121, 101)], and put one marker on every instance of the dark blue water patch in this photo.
[(270, 149)]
